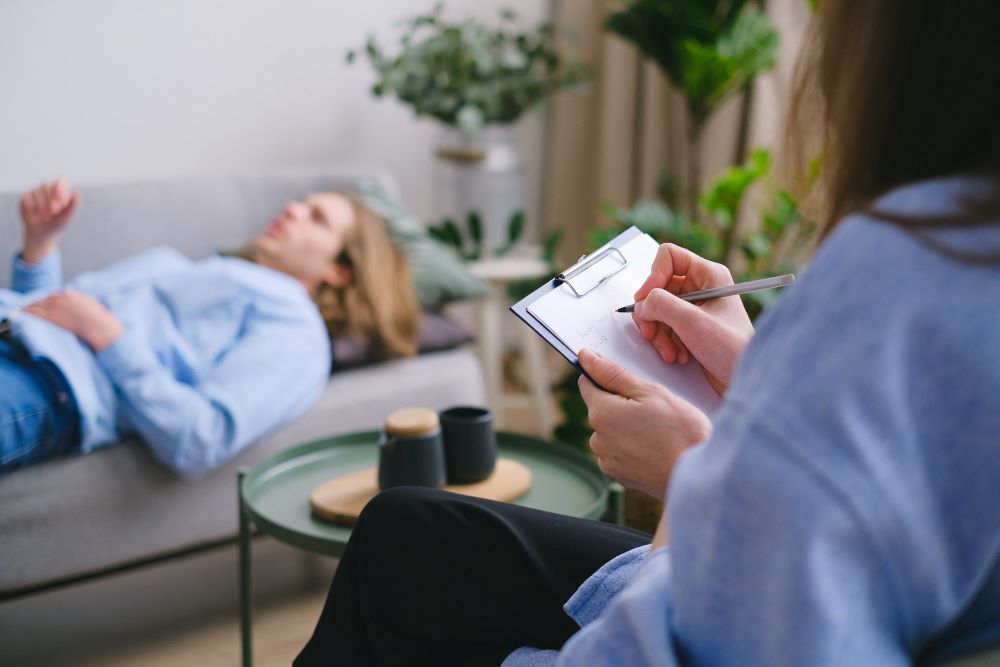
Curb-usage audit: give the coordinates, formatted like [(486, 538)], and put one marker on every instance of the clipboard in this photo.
[(593, 277), (582, 269)]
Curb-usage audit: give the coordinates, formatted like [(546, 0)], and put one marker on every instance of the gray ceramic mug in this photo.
[(470, 443), (411, 451)]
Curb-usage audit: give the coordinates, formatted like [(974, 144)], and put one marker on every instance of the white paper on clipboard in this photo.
[(589, 321)]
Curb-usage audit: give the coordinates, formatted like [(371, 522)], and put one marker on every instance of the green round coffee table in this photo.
[(274, 495)]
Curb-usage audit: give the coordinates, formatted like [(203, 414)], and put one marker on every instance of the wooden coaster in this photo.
[(341, 499)]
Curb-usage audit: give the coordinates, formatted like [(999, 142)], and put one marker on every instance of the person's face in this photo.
[(305, 240)]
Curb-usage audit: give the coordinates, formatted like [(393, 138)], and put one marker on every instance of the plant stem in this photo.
[(695, 125)]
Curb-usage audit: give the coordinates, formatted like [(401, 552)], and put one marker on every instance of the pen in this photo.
[(730, 290)]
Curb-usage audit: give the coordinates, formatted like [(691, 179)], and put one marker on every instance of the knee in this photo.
[(390, 525), (400, 501), (400, 510)]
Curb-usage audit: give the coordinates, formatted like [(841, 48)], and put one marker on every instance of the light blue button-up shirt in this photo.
[(216, 353), (846, 510)]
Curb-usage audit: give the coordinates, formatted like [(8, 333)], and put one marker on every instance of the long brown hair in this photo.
[(889, 92), (379, 307)]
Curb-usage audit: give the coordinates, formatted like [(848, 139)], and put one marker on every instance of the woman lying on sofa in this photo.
[(202, 358)]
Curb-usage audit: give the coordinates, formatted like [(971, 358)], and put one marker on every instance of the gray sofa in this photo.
[(69, 519)]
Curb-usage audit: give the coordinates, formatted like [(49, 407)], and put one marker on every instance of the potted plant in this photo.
[(476, 80), (468, 75), (709, 49)]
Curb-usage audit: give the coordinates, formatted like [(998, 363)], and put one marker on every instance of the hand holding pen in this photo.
[(713, 331)]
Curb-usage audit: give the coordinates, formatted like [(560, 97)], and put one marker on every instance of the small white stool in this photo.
[(491, 313)]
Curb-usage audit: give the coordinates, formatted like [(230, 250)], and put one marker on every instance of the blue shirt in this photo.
[(846, 509), (216, 353)]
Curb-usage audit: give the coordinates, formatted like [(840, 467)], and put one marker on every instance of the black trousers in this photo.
[(434, 578)]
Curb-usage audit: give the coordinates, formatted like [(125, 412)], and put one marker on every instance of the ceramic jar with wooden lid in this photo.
[(411, 451)]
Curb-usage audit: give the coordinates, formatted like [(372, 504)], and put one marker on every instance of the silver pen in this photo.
[(729, 290)]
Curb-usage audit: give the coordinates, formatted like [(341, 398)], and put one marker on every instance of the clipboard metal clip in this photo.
[(572, 276)]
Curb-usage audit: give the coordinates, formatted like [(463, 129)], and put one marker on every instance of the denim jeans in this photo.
[(39, 418)]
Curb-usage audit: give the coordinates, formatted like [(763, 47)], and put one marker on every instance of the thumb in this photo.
[(609, 375)]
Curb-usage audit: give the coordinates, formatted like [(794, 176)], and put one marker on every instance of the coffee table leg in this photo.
[(616, 503), (246, 582)]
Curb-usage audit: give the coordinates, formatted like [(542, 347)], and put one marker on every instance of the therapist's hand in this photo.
[(82, 315), (714, 332), (640, 427)]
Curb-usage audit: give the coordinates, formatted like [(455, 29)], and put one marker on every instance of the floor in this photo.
[(187, 612), (181, 613)]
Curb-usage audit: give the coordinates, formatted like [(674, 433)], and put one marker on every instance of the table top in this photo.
[(510, 268), (275, 492)]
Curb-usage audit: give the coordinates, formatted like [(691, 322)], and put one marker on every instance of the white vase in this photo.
[(483, 173)]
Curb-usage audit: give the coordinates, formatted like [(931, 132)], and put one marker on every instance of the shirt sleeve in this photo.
[(260, 384), (45, 275), (759, 572)]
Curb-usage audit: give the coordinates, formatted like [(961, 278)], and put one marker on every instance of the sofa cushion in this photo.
[(86, 514), (437, 332)]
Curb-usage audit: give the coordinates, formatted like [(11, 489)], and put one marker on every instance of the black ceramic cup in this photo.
[(470, 444), (411, 450)]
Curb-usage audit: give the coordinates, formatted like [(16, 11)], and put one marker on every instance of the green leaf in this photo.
[(708, 48), (551, 243), (450, 230), (515, 227), (756, 246), (475, 226), (439, 235), (723, 197), (668, 189)]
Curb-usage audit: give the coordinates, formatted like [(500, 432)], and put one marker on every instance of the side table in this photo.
[(500, 272), (274, 496)]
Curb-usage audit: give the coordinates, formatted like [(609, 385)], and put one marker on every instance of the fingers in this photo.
[(646, 329), (664, 345), (666, 308), (59, 196), (49, 200), (609, 375), (42, 308), (51, 197), (36, 202), (660, 273), (69, 209), (675, 267), (671, 262), (683, 356), (589, 391)]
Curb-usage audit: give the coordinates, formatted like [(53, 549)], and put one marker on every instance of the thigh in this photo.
[(442, 576)]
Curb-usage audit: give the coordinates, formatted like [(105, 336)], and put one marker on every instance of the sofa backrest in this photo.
[(197, 216)]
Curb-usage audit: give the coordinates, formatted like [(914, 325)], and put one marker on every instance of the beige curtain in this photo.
[(613, 141)]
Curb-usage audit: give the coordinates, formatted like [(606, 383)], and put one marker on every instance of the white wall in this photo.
[(111, 90)]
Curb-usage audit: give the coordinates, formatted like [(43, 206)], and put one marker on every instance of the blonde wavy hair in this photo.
[(379, 307)]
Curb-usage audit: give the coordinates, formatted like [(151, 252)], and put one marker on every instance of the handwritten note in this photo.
[(590, 322)]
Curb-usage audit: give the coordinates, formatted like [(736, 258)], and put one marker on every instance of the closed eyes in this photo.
[(316, 215)]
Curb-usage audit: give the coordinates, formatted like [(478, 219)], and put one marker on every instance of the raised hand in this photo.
[(82, 315), (714, 332), (640, 428), (45, 211)]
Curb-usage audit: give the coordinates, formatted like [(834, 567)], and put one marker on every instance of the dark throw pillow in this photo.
[(436, 333)]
